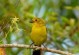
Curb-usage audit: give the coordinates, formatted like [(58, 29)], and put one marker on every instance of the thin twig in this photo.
[(34, 47)]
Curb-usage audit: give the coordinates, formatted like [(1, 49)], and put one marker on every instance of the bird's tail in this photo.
[(37, 52)]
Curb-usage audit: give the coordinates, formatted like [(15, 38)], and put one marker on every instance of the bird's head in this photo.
[(38, 21)]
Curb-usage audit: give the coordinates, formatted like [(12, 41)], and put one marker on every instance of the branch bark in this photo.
[(34, 47)]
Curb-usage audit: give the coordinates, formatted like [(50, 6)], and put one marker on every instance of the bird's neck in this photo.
[(37, 25)]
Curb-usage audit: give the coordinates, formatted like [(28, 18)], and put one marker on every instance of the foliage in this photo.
[(62, 21)]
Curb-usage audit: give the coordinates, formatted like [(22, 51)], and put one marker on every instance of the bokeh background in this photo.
[(62, 22)]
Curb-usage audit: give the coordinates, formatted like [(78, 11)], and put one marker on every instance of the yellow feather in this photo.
[(38, 33)]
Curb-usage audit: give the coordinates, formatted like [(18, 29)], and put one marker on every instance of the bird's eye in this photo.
[(35, 19)]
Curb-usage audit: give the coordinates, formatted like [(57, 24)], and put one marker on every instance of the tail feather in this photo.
[(37, 52)]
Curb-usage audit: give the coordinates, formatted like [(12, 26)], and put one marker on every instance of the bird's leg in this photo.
[(44, 46), (31, 45)]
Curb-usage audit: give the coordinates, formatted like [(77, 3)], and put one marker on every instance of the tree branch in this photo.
[(34, 47)]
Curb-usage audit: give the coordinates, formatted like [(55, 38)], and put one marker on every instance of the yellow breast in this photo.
[(38, 34)]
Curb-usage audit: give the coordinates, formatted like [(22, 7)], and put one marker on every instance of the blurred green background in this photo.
[(62, 22)]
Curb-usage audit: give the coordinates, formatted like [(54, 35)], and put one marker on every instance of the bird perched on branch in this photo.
[(38, 33)]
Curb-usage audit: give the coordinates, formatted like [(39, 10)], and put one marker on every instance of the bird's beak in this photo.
[(31, 21)]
